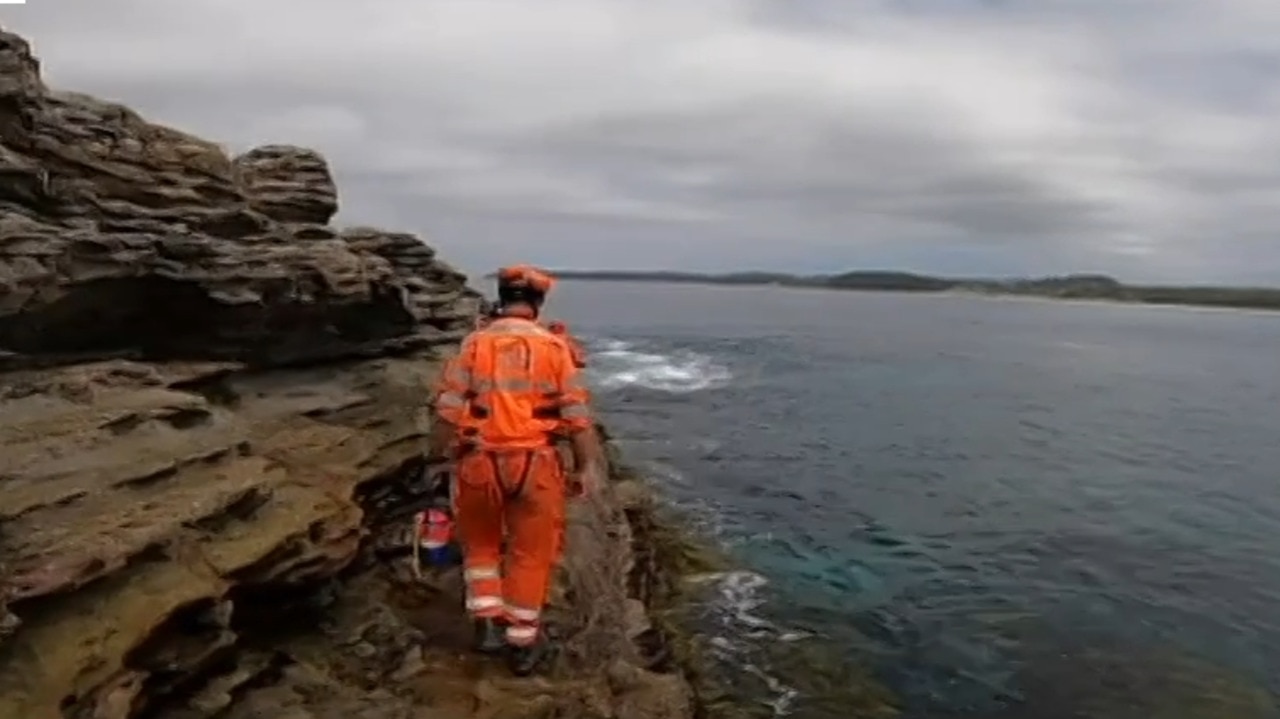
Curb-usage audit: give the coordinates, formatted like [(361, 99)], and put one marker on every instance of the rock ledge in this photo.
[(209, 429)]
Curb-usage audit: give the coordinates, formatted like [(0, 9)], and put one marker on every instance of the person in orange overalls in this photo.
[(504, 402), (557, 327), (575, 347)]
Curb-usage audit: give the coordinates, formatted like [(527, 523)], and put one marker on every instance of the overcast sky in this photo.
[(1137, 137)]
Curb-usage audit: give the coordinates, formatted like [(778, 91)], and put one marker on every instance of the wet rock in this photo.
[(647, 695), (637, 618), (210, 444)]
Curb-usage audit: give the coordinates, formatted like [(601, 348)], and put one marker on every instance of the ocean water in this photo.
[(986, 507)]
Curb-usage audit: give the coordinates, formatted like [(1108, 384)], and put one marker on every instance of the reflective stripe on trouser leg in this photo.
[(478, 519), (484, 591), (533, 523), (523, 625)]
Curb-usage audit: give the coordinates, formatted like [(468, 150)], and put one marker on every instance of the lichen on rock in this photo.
[(210, 428)]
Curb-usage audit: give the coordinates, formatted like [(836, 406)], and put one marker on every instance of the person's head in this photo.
[(523, 285)]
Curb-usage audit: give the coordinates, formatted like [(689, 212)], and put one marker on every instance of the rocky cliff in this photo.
[(210, 426)]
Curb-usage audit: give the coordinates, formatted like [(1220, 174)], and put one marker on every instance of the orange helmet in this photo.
[(526, 276)]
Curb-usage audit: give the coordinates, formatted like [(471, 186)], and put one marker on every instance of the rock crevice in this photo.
[(210, 429)]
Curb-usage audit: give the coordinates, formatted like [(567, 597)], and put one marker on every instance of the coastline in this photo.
[(210, 450), (799, 671), (1070, 288)]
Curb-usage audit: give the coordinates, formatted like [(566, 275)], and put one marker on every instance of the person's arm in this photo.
[(586, 451), (575, 347), (579, 354), (449, 402), (576, 418)]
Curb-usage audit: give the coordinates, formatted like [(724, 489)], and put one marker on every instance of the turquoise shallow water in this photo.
[(1002, 508)]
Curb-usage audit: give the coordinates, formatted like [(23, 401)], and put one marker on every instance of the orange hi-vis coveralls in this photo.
[(511, 392), (556, 328), (575, 347)]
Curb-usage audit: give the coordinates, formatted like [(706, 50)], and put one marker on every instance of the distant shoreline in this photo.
[(1064, 287)]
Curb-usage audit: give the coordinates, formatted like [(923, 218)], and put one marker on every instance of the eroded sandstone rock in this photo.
[(209, 436), (288, 184), (119, 237)]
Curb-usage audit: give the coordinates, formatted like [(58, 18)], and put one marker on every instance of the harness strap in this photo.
[(513, 492)]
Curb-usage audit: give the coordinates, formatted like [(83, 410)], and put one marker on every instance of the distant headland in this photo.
[(1074, 286)]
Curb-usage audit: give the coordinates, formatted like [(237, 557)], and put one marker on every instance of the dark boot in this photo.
[(524, 660), (489, 636)]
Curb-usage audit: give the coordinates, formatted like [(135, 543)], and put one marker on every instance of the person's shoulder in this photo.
[(527, 328), (473, 339), (561, 330), (560, 344)]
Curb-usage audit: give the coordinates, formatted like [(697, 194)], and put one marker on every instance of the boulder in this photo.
[(288, 184), (211, 421)]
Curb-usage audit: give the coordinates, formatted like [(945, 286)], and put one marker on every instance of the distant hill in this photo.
[(1072, 286)]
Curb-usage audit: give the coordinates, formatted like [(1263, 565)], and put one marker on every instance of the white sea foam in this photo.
[(742, 630), (616, 364)]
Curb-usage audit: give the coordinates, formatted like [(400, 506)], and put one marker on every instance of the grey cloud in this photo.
[(1130, 136), (801, 167)]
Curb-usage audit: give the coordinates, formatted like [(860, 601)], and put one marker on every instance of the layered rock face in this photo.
[(210, 429)]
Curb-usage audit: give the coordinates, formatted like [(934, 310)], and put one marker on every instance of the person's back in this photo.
[(523, 386)]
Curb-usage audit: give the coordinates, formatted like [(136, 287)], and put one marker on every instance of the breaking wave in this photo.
[(740, 632), (616, 364), (732, 619)]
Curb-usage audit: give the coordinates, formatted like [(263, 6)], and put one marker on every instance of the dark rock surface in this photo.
[(210, 426), (288, 184)]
